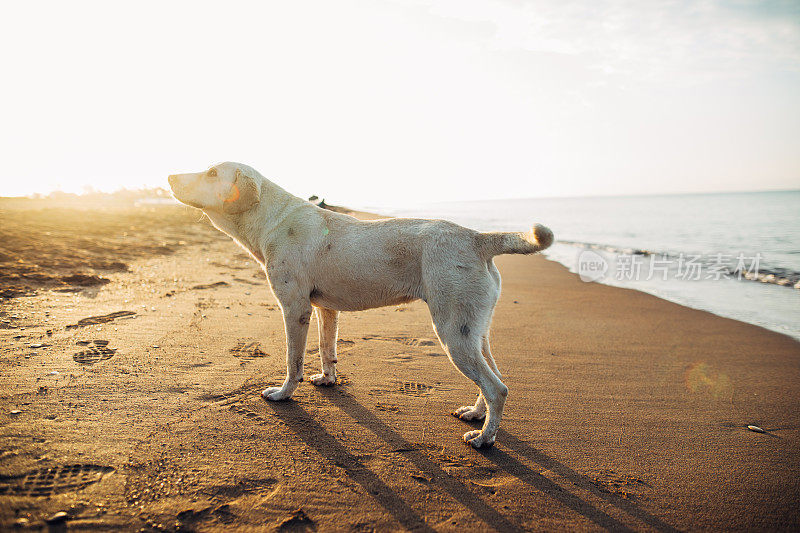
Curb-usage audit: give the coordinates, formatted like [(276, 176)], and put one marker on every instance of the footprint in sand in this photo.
[(415, 342), (99, 352), (413, 388), (247, 413), (45, 482), (211, 285), (399, 358), (247, 281), (98, 342), (408, 341), (101, 319), (227, 265), (232, 397), (248, 349), (613, 482)]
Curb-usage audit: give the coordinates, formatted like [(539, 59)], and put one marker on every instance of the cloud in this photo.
[(681, 43)]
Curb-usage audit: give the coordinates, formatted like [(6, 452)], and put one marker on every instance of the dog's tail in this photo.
[(496, 243)]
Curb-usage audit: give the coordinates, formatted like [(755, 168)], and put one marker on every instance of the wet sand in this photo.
[(133, 403)]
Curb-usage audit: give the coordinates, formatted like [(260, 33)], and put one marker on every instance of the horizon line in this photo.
[(38, 196)]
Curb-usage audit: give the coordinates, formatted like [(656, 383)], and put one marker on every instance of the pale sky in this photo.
[(385, 102)]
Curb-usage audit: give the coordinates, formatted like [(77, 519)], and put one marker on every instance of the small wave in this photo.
[(608, 248), (763, 273)]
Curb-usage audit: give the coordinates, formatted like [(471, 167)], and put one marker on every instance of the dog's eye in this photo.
[(211, 173)]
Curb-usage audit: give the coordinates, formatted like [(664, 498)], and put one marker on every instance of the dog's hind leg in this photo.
[(296, 317), (478, 411), (487, 354), (472, 412), (328, 324), (464, 350)]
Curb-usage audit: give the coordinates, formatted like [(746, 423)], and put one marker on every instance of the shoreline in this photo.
[(678, 303), (719, 306)]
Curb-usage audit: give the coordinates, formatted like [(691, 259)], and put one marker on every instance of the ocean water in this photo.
[(733, 254)]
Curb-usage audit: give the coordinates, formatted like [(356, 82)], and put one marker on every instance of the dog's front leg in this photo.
[(328, 322), (296, 317)]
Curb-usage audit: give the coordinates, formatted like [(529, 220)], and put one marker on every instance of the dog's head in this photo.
[(229, 188)]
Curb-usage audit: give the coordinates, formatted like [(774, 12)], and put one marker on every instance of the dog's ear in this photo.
[(243, 196)]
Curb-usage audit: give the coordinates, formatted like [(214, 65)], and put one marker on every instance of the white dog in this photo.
[(315, 258)]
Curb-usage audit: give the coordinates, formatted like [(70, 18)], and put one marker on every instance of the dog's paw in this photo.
[(478, 439), (275, 394), (322, 379), (468, 412)]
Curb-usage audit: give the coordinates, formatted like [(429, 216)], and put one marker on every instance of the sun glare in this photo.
[(383, 102)]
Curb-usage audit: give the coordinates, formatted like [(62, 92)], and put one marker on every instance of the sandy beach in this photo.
[(134, 342)]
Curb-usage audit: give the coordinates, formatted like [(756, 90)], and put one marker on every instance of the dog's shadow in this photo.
[(314, 435)]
